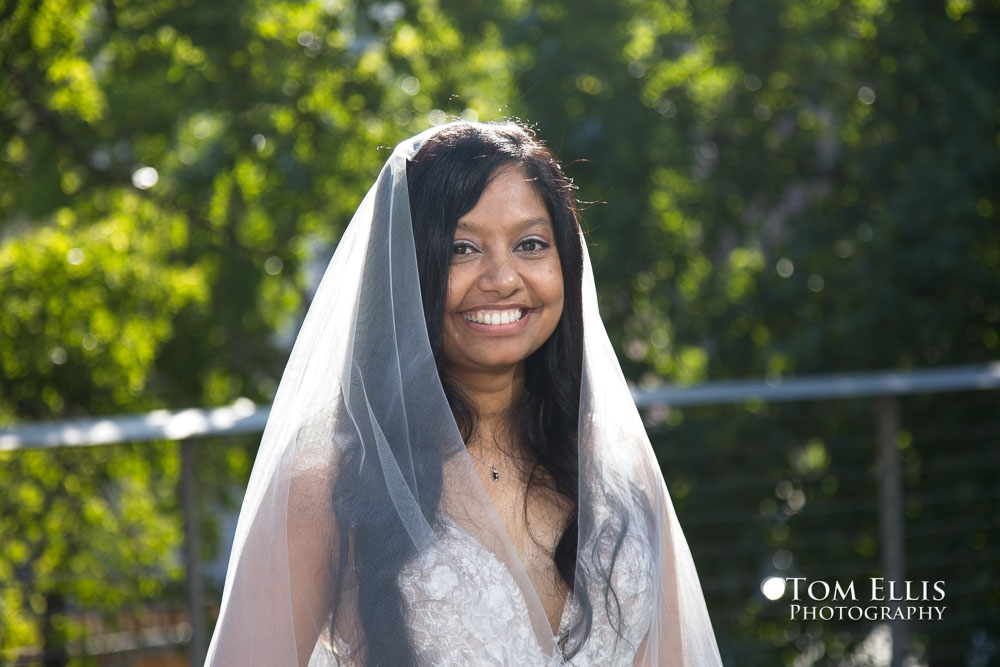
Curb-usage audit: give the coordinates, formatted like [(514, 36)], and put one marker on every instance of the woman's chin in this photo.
[(493, 363)]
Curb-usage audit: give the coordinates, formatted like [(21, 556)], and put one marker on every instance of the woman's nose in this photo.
[(500, 275)]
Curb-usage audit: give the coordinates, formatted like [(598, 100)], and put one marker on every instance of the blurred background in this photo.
[(773, 189)]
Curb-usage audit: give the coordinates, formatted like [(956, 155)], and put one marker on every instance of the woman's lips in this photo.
[(482, 321), (494, 317)]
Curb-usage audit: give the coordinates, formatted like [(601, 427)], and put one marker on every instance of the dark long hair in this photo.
[(445, 180)]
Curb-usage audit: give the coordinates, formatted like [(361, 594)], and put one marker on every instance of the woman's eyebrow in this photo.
[(468, 226)]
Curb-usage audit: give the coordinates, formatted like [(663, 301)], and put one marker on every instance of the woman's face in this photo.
[(505, 287)]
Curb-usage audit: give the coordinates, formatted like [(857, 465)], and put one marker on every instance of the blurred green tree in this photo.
[(786, 187), (172, 176)]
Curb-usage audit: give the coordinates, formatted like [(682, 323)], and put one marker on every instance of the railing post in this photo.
[(195, 591), (891, 514)]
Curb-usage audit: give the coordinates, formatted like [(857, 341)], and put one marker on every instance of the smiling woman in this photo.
[(505, 287), (474, 486)]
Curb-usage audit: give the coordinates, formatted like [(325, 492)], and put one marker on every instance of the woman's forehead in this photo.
[(511, 200)]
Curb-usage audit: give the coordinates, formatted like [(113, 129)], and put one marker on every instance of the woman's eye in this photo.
[(462, 248), (533, 245)]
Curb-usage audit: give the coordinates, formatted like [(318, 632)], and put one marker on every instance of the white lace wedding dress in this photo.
[(466, 609)]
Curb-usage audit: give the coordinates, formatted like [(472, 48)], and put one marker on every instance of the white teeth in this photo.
[(494, 317)]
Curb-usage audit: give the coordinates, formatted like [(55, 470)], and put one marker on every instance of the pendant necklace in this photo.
[(493, 466)]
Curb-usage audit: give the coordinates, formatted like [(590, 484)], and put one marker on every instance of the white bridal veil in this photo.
[(361, 388)]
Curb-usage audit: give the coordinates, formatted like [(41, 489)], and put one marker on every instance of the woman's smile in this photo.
[(495, 317), (505, 287)]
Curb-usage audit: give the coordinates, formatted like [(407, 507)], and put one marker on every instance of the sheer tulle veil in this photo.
[(361, 390)]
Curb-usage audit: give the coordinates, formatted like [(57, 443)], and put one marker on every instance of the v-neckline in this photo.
[(570, 599)]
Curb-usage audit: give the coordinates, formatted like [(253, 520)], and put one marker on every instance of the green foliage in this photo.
[(788, 188), (96, 527), (774, 173), (88, 307), (170, 174)]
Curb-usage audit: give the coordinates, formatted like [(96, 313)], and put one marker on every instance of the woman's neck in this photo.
[(491, 396)]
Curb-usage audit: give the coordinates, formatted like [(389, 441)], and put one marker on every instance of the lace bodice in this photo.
[(465, 609)]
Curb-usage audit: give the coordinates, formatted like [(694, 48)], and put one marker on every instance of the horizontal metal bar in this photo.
[(244, 416), (826, 387)]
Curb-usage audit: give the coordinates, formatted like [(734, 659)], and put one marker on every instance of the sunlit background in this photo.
[(773, 189)]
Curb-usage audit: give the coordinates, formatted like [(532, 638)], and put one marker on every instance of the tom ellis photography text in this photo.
[(874, 600)]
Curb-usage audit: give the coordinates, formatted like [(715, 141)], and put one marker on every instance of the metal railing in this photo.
[(245, 417)]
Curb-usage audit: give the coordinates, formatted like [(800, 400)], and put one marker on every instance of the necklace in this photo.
[(493, 466)]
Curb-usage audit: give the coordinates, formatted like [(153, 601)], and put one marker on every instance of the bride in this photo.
[(453, 471)]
